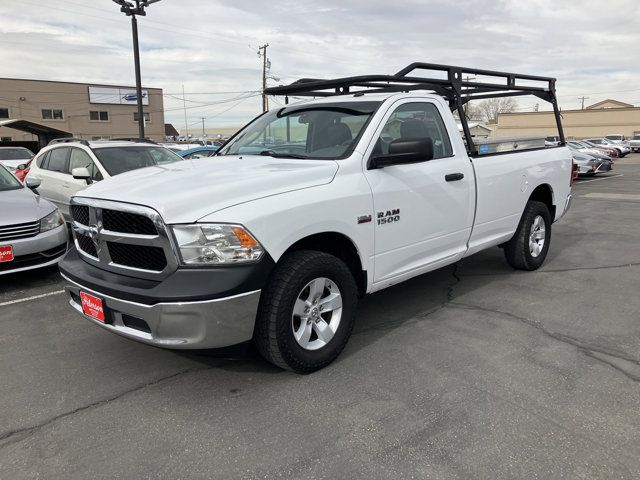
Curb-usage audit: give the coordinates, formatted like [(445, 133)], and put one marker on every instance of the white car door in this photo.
[(423, 211), (52, 174), (78, 159)]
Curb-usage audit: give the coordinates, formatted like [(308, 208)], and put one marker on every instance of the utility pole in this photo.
[(131, 9), (184, 106), (203, 119), (262, 52), (583, 99)]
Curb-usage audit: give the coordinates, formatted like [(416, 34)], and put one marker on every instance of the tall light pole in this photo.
[(131, 9)]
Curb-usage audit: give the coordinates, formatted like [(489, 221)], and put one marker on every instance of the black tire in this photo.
[(273, 334), (516, 250)]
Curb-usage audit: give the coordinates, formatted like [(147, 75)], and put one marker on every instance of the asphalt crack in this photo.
[(620, 361), (20, 434), (457, 279)]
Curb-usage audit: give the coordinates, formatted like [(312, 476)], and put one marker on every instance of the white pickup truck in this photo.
[(306, 209)]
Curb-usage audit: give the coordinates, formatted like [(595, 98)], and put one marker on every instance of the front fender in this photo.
[(279, 221)]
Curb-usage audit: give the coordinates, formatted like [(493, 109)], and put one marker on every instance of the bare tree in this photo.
[(491, 107)]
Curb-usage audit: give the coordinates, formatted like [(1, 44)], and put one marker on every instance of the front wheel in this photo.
[(306, 312), (528, 247)]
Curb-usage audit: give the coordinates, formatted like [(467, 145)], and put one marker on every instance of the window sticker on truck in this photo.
[(389, 216)]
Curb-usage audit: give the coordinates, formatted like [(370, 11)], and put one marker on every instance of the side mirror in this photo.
[(81, 173), (32, 183), (22, 166), (403, 151)]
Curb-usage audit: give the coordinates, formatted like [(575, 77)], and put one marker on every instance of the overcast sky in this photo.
[(210, 46)]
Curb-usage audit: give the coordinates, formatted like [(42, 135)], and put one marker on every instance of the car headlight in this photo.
[(214, 244), (51, 221)]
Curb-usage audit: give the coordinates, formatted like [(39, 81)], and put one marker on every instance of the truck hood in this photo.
[(186, 191), (22, 206)]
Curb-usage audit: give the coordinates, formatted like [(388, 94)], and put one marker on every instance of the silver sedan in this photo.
[(32, 230)]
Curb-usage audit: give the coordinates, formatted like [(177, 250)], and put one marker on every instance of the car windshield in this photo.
[(117, 160), (15, 154), (636, 137), (321, 131), (8, 181)]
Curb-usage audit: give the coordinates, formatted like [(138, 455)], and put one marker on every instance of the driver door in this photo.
[(423, 211)]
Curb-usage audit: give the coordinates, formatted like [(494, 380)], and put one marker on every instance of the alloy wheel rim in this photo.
[(317, 312), (537, 236)]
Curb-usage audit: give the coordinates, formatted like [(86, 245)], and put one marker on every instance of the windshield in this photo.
[(15, 154), (321, 131), (8, 181), (117, 160)]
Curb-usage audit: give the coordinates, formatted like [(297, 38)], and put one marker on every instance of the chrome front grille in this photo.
[(123, 238), (19, 230)]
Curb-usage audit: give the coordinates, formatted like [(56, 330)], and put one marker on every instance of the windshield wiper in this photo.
[(274, 154)]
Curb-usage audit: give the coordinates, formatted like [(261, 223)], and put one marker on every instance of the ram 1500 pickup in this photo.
[(306, 209)]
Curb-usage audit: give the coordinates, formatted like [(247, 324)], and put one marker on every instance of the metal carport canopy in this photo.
[(45, 134)]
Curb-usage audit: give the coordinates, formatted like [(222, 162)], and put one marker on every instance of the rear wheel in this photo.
[(529, 246), (306, 312)]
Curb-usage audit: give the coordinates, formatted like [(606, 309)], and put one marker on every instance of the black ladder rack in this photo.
[(456, 87)]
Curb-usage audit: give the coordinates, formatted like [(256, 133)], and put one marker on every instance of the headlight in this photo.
[(51, 221), (213, 244)]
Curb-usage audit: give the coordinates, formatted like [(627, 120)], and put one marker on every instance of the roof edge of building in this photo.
[(79, 83), (545, 112)]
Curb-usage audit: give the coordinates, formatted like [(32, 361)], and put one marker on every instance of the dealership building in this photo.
[(597, 120), (88, 111)]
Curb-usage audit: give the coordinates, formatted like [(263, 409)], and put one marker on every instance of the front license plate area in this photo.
[(6, 253), (92, 306)]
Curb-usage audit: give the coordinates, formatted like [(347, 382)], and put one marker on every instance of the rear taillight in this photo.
[(574, 172)]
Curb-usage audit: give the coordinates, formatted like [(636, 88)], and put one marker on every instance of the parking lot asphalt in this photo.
[(471, 371)]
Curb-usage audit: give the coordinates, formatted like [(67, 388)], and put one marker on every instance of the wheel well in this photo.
[(544, 194), (340, 246)]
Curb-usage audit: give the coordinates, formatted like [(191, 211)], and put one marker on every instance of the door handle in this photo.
[(452, 177)]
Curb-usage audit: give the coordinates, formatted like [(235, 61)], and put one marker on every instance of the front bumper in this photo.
[(180, 325), (36, 252)]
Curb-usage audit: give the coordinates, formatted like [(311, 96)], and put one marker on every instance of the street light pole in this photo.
[(136, 61), (132, 9)]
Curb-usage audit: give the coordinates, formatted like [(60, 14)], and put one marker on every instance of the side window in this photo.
[(80, 158), (416, 120), (58, 160), (41, 162)]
